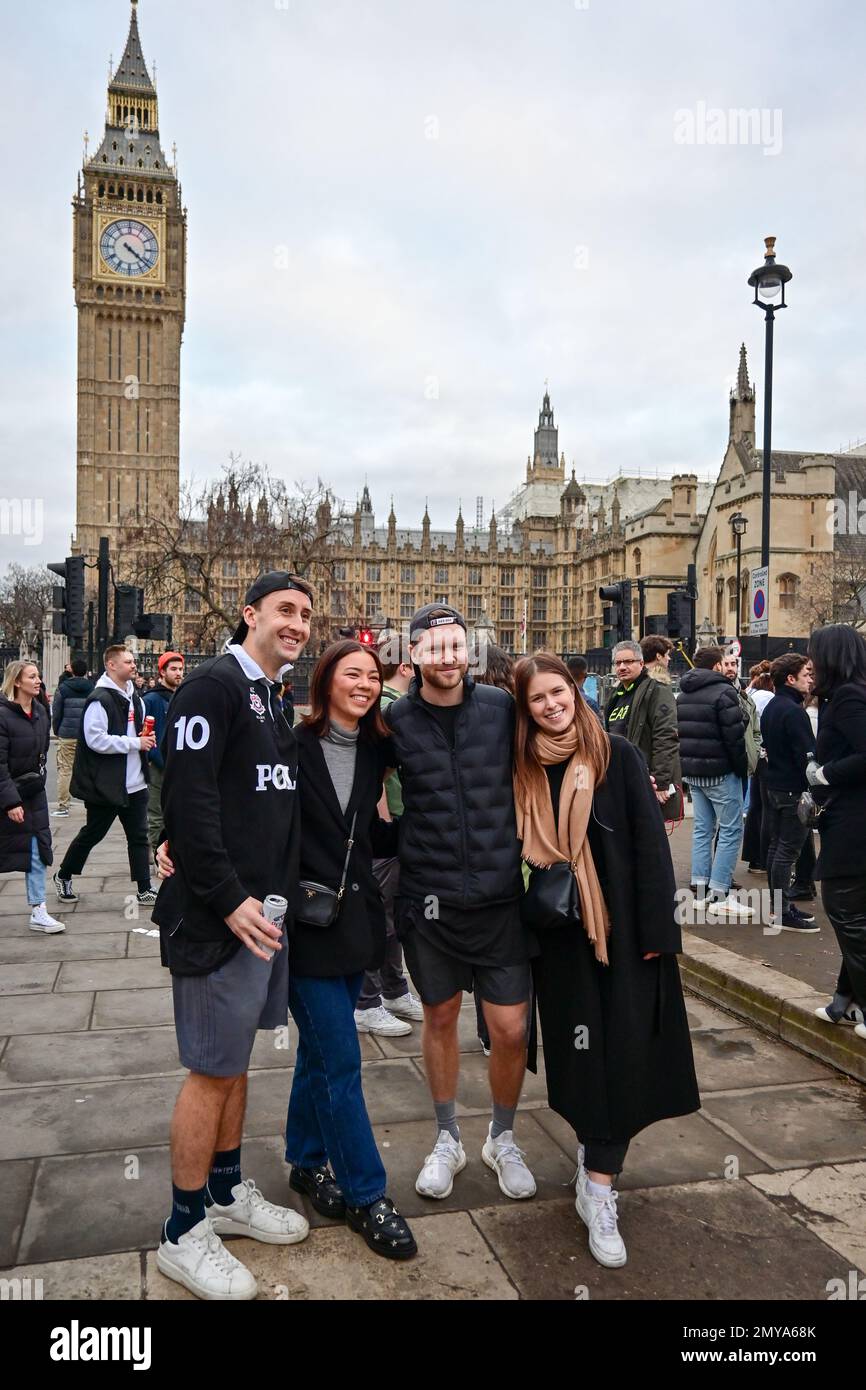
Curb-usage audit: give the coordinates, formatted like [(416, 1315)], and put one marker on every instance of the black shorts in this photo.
[(438, 976)]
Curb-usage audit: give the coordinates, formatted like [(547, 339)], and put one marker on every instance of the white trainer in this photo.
[(382, 1022), (447, 1158), (407, 1006), (200, 1262), (728, 909), (599, 1216), (860, 1030), (251, 1215), (507, 1161), (852, 1015), (41, 920)]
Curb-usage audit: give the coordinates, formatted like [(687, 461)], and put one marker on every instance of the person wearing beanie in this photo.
[(156, 702)]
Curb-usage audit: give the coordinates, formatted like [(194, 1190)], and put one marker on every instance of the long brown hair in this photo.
[(371, 725), (594, 744)]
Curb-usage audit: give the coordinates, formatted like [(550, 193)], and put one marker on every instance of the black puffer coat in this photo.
[(67, 711), (458, 834), (710, 721), (23, 747)]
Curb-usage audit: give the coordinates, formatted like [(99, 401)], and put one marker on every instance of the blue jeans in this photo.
[(35, 876), (327, 1119), (720, 804)]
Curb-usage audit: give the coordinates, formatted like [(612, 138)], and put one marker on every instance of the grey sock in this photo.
[(446, 1117), (503, 1119)]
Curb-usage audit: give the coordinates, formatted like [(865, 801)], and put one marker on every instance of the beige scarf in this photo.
[(545, 844)]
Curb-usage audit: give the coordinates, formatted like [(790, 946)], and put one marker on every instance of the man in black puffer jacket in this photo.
[(714, 761), (67, 712), (458, 909), (787, 733)]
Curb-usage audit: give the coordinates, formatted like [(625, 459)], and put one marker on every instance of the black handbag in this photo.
[(29, 785), (317, 905), (551, 899)]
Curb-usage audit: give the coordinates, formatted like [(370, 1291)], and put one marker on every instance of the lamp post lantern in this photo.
[(768, 282), (738, 526)]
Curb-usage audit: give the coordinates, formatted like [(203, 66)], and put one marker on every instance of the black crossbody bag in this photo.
[(316, 904), (551, 899)]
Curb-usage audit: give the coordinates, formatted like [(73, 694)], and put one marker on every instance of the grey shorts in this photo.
[(438, 976), (216, 1016)]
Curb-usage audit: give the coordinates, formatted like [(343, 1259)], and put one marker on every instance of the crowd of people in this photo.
[(427, 829)]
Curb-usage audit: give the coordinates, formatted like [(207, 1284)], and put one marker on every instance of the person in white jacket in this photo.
[(110, 775)]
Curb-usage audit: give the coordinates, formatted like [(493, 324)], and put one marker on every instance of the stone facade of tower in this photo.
[(129, 271)]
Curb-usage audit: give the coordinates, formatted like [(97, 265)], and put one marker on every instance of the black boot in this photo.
[(384, 1229)]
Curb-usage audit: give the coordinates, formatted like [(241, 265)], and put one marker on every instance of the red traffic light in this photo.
[(365, 636)]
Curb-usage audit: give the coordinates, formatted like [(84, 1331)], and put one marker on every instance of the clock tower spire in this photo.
[(129, 265)]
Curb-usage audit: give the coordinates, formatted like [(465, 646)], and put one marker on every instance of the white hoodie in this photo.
[(97, 737)]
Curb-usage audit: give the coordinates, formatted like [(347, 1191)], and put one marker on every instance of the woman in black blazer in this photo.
[(343, 753), (838, 778)]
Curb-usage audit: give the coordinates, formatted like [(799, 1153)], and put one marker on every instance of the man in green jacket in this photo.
[(644, 711)]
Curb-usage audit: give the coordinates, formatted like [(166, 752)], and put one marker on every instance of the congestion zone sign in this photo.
[(759, 605)]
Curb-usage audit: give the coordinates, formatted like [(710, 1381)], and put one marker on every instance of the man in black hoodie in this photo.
[(787, 734), (714, 762)]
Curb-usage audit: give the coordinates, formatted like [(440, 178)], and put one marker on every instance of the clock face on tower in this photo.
[(129, 247)]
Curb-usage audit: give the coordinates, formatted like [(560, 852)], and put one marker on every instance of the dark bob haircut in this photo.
[(371, 725), (838, 655)]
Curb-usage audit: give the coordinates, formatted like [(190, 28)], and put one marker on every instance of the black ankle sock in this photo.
[(187, 1209), (225, 1173)]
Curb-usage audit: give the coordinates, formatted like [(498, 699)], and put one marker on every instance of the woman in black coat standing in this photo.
[(25, 834), (342, 756), (838, 779), (617, 1050)]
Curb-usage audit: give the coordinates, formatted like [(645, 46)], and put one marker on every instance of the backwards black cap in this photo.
[(269, 583), (434, 615)]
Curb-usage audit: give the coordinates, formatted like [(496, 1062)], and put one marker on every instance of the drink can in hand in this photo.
[(274, 908), (149, 724)]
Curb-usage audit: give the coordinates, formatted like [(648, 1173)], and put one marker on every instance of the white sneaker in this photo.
[(448, 1158), (852, 1015), (729, 908), (860, 1030), (599, 1216), (382, 1022), (202, 1264), (506, 1160), (41, 920), (407, 1006), (61, 811), (250, 1215)]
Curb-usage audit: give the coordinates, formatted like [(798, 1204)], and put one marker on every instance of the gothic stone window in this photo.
[(636, 559), (374, 601), (340, 570), (787, 590), (407, 605), (539, 610), (439, 598), (440, 575), (473, 575), (539, 578), (473, 607), (374, 572), (506, 638), (407, 575), (506, 578), (732, 596), (506, 607)]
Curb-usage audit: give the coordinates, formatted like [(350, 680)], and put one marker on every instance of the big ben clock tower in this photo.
[(129, 257)]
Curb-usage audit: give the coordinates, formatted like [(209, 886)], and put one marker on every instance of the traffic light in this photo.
[(365, 637), (128, 605), (70, 600), (679, 614), (155, 626), (617, 616)]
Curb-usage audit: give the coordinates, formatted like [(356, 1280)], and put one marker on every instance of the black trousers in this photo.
[(787, 837), (845, 904), (100, 819), (389, 981), (604, 1155), (753, 851)]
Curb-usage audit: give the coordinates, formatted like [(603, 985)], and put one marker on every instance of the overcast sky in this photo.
[(403, 217)]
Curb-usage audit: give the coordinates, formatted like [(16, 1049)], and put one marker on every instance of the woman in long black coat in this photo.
[(25, 834), (342, 755), (838, 778), (617, 1051)]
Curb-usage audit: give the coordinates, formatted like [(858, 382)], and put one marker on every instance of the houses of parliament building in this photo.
[(530, 573)]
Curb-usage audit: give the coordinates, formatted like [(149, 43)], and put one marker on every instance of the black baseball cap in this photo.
[(434, 615), (269, 583)]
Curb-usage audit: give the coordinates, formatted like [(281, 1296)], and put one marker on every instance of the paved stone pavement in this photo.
[(761, 1195)]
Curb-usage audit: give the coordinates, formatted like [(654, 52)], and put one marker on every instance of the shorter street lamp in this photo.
[(738, 526)]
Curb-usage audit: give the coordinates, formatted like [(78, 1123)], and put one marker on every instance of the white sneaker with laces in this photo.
[(407, 1006), (200, 1262), (446, 1159), (729, 908), (41, 920), (382, 1022), (251, 1215), (507, 1161), (860, 1030), (598, 1213)]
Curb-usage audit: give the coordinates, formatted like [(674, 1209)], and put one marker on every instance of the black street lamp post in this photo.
[(768, 282), (738, 525)]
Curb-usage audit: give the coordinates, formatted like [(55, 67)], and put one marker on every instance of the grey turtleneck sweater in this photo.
[(340, 747)]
